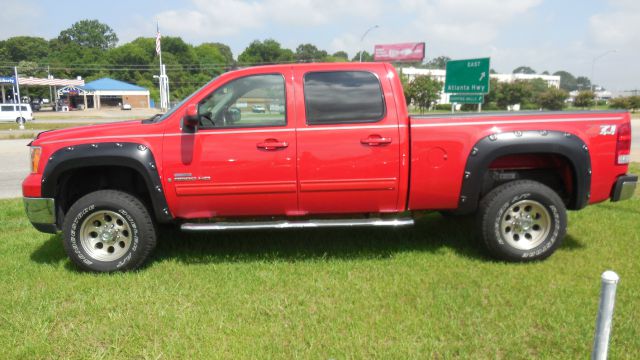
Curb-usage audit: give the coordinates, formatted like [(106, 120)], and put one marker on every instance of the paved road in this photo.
[(14, 167), (14, 162)]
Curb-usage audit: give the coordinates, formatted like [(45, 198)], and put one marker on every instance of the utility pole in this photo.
[(362, 39)]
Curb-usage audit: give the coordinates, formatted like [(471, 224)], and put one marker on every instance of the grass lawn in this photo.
[(40, 126), (422, 292)]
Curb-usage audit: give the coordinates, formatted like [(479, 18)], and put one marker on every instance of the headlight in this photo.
[(36, 151)]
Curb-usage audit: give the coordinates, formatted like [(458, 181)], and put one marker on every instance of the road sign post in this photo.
[(468, 80)]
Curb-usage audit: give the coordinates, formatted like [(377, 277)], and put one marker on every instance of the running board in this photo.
[(285, 224)]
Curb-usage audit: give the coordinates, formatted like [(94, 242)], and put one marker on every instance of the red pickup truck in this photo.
[(314, 145)]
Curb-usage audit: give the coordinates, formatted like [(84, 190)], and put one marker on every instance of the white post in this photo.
[(605, 315), (21, 122)]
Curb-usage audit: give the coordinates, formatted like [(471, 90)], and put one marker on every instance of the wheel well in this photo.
[(75, 183), (552, 170)]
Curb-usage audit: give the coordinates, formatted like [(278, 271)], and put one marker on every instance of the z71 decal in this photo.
[(607, 129)]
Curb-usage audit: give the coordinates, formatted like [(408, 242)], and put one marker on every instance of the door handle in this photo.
[(272, 144), (376, 140)]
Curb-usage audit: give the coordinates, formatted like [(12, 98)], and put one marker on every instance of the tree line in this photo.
[(90, 49)]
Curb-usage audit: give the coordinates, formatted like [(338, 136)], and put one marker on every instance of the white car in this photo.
[(126, 106), (13, 112)]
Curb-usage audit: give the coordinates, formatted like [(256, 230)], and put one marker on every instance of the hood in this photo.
[(97, 131)]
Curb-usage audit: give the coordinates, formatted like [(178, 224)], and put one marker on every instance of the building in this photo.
[(440, 75), (106, 93)]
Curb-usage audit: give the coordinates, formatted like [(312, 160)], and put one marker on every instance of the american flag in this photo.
[(158, 39)]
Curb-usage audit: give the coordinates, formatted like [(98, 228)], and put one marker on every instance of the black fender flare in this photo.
[(491, 147), (137, 157)]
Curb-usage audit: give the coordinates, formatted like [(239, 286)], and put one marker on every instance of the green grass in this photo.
[(40, 126), (423, 292)]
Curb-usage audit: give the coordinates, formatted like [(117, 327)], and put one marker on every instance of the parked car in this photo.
[(35, 105), (20, 113), (260, 109), (126, 106), (346, 153)]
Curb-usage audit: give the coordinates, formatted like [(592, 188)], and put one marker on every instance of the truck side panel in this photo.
[(441, 146)]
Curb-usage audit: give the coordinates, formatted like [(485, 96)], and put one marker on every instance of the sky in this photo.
[(546, 35)]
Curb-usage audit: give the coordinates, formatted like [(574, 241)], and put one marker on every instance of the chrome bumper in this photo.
[(41, 213), (624, 187)]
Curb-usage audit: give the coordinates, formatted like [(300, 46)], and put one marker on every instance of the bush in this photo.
[(442, 107), (551, 99), (584, 99)]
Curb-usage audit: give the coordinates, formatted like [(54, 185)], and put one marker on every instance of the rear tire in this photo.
[(108, 230), (522, 220)]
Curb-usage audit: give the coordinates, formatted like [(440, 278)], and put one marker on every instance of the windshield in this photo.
[(177, 106)]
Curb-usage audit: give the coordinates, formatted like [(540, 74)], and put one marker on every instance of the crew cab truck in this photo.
[(334, 146)]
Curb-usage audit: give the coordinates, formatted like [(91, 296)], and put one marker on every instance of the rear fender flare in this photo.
[(491, 147)]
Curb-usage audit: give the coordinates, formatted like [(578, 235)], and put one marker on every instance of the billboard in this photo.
[(399, 52)]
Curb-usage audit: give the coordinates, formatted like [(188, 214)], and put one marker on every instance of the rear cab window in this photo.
[(343, 97)]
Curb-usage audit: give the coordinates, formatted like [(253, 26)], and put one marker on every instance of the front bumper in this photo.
[(41, 213), (624, 187)]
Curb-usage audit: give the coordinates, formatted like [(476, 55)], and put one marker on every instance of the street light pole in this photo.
[(362, 39), (593, 66)]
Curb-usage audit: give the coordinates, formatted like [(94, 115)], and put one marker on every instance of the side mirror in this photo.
[(191, 118)]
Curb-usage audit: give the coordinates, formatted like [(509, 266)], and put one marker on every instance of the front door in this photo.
[(348, 142), (241, 159)]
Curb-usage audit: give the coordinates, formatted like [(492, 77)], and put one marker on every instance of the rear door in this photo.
[(348, 141)]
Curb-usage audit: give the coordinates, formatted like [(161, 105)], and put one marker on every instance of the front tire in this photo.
[(522, 220), (107, 231)]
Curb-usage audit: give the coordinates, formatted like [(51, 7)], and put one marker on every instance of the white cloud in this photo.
[(205, 19), (18, 19), (620, 27)]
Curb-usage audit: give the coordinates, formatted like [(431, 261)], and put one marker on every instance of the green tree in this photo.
[(439, 62), (25, 48), (365, 56), (268, 51), (90, 33), (341, 54), (583, 82), (584, 99), (423, 91), (517, 92), (211, 61), (551, 99), (225, 51), (523, 70), (567, 80), (309, 53)]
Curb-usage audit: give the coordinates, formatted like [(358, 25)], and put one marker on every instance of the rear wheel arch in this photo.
[(485, 152)]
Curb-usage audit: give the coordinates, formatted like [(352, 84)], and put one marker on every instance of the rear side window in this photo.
[(343, 97), (6, 108)]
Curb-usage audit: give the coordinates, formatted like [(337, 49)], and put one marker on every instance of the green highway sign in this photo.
[(469, 76), (466, 99)]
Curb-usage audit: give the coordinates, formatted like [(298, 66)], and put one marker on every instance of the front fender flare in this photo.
[(132, 155)]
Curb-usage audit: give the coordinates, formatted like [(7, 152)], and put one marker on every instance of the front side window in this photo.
[(23, 108), (343, 97), (251, 101)]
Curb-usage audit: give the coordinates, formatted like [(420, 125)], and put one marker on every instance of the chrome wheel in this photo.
[(525, 224), (105, 235)]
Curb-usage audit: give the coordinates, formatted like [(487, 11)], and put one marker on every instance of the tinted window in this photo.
[(251, 101), (23, 108), (343, 97), (6, 108)]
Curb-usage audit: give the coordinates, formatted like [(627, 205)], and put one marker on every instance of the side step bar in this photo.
[(285, 224)]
